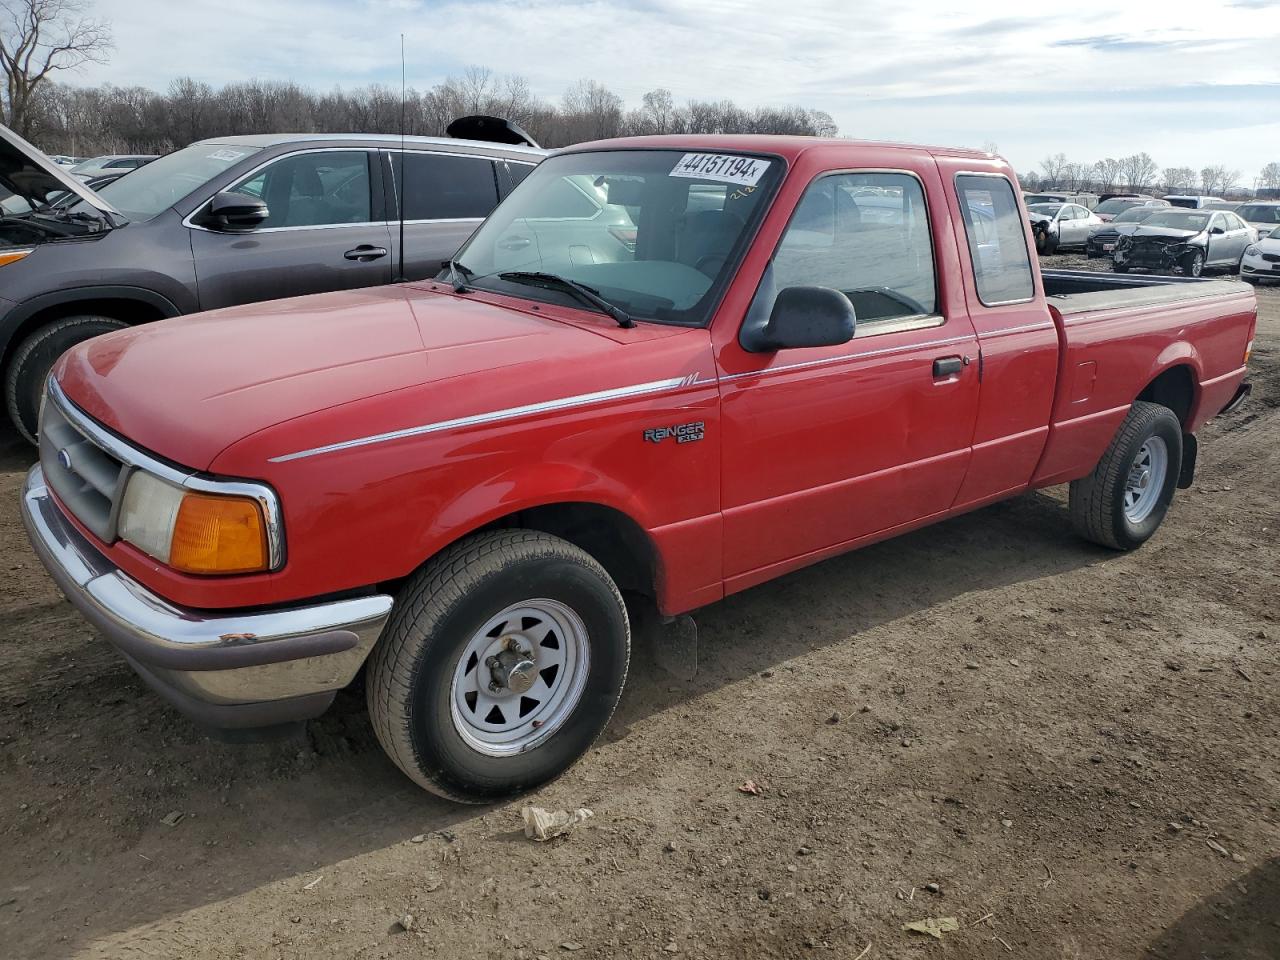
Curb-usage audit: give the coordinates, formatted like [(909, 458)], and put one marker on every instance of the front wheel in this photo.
[(1119, 268), (1123, 501), (35, 357), (503, 661), (1193, 264)]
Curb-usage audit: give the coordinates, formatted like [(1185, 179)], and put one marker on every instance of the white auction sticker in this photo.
[(227, 156), (724, 167)]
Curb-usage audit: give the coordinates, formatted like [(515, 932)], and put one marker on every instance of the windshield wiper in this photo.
[(456, 274), (581, 290)]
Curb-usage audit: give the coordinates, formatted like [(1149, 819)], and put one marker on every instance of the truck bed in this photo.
[(1083, 291)]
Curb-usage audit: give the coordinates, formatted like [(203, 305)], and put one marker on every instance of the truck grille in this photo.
[(87, 479)]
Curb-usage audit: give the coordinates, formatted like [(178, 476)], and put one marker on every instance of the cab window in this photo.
[(997, 239), (866, 235)]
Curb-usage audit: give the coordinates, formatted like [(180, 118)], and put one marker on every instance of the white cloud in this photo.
[(1104, 78)]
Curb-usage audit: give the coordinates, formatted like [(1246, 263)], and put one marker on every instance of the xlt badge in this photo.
[(683, 432)]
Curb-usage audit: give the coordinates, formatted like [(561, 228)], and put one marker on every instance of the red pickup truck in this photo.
[(662, 371)]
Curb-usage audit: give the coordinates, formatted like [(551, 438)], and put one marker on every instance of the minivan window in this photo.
[(866, 235), (321, 188), (440, 187), (158, 185), (997, 239)]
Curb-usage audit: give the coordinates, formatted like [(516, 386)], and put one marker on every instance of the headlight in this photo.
[(194, 531), (1252, 250)]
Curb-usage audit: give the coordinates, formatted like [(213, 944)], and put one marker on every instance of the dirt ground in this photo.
[(1073, 752)]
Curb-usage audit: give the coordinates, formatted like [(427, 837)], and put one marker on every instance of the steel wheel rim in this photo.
[(1145, 481), (489, 708)]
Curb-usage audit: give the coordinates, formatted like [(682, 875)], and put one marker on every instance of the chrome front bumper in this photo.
[(229, 670)]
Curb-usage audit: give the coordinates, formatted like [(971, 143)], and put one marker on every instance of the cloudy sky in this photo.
[(1192, 83)]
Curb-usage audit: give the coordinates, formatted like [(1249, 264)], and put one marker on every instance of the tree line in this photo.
[(109, 119), (1139, 173)]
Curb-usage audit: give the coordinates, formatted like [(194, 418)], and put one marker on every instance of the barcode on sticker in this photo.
[(724, 167)]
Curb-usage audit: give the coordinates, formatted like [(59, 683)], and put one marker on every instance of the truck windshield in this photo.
[(656, 232), (160, 184)]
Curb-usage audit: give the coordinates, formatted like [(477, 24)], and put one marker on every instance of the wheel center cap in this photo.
[(521, 676)]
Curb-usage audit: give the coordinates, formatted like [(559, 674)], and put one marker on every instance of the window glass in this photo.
[(440, 187), (313, 189), (866, 235), (997, 240), (655, 232), (157, 185), (511, 173)]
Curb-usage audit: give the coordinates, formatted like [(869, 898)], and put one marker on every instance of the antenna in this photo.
[(404, 167)]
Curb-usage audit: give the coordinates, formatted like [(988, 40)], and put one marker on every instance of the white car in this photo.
[(1262, 216), (1261, 260), (1060, 225)]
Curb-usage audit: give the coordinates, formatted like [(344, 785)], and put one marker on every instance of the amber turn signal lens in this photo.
[(12, 256), (218, 535)]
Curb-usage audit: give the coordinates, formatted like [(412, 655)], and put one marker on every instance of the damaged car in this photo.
[(1188, 241), (1104, 237), (1058, 225)]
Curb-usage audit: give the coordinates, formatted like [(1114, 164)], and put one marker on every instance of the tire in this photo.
[(1192, 264), (420, 669), (29, 369), (1117, 268), (1105, 509), (1090, 255)]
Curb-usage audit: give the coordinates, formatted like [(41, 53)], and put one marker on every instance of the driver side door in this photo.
[(823, 446), (324, 232)]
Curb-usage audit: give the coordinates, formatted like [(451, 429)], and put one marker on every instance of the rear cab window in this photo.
[(998, 249)]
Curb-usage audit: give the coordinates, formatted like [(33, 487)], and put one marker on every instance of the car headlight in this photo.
[(1252, 250), (194, 531)]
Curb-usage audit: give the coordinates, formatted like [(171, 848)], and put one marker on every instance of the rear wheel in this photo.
[(1123, 501), (503, 661), (25, 379)]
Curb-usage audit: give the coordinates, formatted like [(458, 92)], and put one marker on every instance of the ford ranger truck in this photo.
[(664, 370)]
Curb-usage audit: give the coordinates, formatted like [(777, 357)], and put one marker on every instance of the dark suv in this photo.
[(224, 222)]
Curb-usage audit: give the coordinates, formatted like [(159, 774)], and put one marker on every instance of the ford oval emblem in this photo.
[(64, 458)]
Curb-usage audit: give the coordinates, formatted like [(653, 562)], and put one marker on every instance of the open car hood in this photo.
[(27, 173)]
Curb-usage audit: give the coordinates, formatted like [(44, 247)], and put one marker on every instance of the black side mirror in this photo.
[(235, 211), (1217, 230), (802, 317)]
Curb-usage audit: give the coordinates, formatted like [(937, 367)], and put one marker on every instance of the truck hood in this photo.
[(187, 388), (28, 174)]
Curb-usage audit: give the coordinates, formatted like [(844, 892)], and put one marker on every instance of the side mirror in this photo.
[(803, 317), (1216, 231), (235, 211)]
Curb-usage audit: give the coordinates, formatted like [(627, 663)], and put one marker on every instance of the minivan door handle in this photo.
[(946, 366), (366, 252)]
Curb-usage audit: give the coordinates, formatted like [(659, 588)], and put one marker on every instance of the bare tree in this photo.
[(1052, 167), (1076, 176), (1108, 174), (1138, 171), (38, 37), (1218, 179), (1269, 177), (1179, 179)]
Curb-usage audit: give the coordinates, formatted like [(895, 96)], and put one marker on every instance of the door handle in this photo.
[(946, 366), (366, 252), (514, 243)]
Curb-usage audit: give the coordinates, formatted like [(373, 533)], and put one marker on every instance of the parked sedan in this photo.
[(1103, 237), (1115, 205), (1186, 240), (1263, 217), (1261, 260), (1060, 225)]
